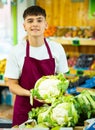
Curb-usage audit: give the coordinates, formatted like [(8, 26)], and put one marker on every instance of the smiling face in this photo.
[(35, 25)]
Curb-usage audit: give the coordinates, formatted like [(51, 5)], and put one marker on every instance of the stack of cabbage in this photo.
[(62, 110), (50, 90)]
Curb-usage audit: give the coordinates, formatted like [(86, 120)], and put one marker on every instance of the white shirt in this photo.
[(15, 59)]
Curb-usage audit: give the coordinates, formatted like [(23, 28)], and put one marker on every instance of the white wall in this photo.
[(5, 30), (21, 6)]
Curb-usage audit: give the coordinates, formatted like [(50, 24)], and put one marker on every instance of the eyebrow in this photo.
[(36, 18)]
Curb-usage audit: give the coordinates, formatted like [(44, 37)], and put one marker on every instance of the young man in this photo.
[(34, 57)]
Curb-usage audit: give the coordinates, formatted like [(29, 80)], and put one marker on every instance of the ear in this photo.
[(24, 26), (46, 25)]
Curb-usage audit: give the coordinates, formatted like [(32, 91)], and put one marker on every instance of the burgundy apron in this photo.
[(32, 70)]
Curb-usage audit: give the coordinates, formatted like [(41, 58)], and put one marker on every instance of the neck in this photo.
[(36, 41)]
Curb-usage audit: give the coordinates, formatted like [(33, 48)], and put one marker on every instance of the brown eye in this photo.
[(30, 21), (39, 20)]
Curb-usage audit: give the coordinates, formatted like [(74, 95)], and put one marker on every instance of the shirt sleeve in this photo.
[(62, 64), (12, 68)]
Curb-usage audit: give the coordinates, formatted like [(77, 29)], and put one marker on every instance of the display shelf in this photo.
[(76, 46), (3, 85), (80, 89), (3, 82), (69, 41)]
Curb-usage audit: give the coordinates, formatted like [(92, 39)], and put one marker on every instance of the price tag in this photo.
[(76, 42), (1, 76), (80, 72), (71, 90)]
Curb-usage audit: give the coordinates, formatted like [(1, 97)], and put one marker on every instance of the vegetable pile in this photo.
[(63, 110), (86, 105), (58, 114)]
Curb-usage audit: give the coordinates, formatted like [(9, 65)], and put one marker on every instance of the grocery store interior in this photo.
[(71, 23)]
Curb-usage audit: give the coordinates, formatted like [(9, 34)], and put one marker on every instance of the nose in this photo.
[(35, 23)]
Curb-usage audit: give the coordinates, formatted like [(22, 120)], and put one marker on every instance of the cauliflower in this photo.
[(60, 114), (48, 88)]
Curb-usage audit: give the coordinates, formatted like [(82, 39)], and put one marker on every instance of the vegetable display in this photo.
[(60, 110), (66, 111), (59, 113)]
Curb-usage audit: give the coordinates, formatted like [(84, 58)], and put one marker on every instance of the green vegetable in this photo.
[(56, 128), (89, 95), (28, 126), (86, 104), (48, 88), (33, 114), (62, 114), (64, 111), (65, 114), (40, 125)]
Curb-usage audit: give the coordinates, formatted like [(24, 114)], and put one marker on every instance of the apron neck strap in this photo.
[(48, 49), (27, 49)]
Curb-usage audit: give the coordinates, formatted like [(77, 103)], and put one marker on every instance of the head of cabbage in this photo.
[(62, 114), (48, 88)]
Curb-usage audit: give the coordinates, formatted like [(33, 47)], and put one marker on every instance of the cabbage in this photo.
[(62, 114), (48, 88)]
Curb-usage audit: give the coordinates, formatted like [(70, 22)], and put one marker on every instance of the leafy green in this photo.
[(62, 114)]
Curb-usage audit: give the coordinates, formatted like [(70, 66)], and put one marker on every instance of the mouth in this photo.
[(35, 29)]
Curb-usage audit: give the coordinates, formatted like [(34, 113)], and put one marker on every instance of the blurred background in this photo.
[(71, 23)]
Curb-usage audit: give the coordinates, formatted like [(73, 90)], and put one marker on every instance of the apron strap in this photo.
[(27, 49), (48, 48)]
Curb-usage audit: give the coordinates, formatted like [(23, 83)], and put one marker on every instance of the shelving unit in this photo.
[(66, 41), (85, 46)]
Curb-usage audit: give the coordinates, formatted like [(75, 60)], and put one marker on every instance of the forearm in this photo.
[(16, 89)]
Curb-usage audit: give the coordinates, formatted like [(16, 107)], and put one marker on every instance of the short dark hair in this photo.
[(34, 10)]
